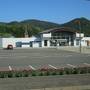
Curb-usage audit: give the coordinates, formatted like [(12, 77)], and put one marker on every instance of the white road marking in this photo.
[(52, 66), (32, 67), (86, 64), (71, 65), (10, 68)]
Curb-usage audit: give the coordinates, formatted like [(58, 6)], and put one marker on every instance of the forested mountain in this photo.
[(78, 23), (17, 29)]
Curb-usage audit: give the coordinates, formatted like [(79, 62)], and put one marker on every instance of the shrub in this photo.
[(75, 71), (2, 75), (34, 74), (25, 74), (83, 70), (89, 70), (18, 74), (54, 73), (68, 71), (41, 74), (61, 73), (47, 73), (9, 74)]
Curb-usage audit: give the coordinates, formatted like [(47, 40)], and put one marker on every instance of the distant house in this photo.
[(49, 38)]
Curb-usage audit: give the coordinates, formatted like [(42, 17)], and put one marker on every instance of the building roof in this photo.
[(60, 29)]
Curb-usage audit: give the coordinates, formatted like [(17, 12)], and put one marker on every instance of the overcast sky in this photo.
[(58, 11)]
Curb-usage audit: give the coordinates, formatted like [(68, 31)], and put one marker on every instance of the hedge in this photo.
[(44, 72)]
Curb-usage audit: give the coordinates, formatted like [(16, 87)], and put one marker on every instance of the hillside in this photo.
[(84, 25), (17, 29), (33, 27)]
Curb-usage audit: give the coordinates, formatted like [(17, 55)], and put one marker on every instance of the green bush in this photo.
[(2, 75), (47, 73), (68, 71), (18, 74), (34, 74), (61, 73), (83, 70), (88, 70), (9, 74), (75, 71), (41, 74), (54, 73), (25, 74)]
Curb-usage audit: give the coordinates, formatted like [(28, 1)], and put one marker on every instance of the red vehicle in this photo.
[(10, 46)]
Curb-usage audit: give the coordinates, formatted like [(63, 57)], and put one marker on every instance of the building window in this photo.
[(45, 42), (31, 44), (18, 44)]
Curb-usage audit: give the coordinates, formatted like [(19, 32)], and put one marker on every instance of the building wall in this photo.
[(86, 41), (37, 42), (79, 35), (45, 36), (13, 41), (43, 43), (7, 41)]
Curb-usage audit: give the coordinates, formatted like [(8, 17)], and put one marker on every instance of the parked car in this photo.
[(10, 46)]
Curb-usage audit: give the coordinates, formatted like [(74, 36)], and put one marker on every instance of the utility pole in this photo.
[(79, 27), (80, 47), (26, 32)]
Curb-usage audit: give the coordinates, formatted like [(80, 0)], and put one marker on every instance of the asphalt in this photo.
[(37, 58), (44, 82)]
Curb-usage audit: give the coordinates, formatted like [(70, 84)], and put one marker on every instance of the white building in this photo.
[(20, 42), (49, 38)]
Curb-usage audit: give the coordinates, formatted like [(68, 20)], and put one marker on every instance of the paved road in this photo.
[(44, 82), (37, 58)]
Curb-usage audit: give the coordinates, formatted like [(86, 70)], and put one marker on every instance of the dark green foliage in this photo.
[(68, 71), (18, 74), (9, 74), (17, 29), (54, 73), (33, 27), (25, 74), (2, 74), (47, 73), (61, 73), (41, 74), (84, 25), (75, 71), (34, 74), (88, 70), (83, 70), (65, 71)]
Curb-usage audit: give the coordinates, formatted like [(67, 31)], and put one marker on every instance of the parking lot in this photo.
[(41, 58)]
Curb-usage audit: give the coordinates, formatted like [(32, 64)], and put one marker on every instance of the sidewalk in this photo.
[(75, 49)]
